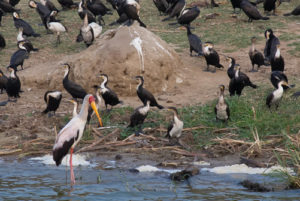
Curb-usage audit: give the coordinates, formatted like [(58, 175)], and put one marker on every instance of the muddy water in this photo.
[(33, 180)]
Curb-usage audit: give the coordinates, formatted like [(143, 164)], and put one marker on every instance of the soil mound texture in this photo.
[(122, 54)]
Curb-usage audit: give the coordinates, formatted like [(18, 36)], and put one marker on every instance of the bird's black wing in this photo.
[(18, 58), (195, 42), (75, 89)]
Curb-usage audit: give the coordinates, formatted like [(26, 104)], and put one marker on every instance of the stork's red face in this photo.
[(93, 105)]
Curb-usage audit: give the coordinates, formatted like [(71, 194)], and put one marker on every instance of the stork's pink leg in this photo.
[(71, 168)]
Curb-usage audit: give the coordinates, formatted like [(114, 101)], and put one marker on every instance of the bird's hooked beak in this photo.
[(284, 83), (93, 105), (222, 87)]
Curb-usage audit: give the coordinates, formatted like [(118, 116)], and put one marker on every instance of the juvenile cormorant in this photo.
[(27, 44), (18, 57), (176, 8), (52, 99), (211, 56), (275, 97), (82, 11), (87, 32), (42, 10), (251, 11), (195, 42), (108, 95), (132, 10), (145, 95), (2, 42), (270, 5), (277, 76), (138, 117), (277, 62), (222, 109), (271, 43), (296, 11), (13, 85), (3, 81), (27, 29), (70, 135), (56, 27), (188, 15), (256, 57), (176, 126), (161, 5), (74, 89), (238, 82)]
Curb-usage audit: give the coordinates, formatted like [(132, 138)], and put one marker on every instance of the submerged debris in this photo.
[(256, 187), (184, 174)]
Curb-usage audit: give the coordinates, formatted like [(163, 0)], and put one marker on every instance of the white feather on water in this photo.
[(244, 169), (137, 43), (77, 160), (150, 168)]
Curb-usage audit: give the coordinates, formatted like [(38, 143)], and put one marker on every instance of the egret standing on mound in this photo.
[(71, 134)]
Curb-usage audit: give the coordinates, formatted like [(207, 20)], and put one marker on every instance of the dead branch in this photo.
[(5, 153)]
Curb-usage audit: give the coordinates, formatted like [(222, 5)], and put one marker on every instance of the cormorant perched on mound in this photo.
[(277, 76), (138, 117), (176, 126), (56, 27), (74, 89), (277, 62), (230, 70), (145, 95), (6, 7), (238, 82), (83, 10), (3, 81), (256, 57), (161, 5), (27, 44), (132, 10), (195, 42), (211, 56), (52, 99), (296, 11), (251, 11), (87, 32), (188, 15), (275, 97), (270, 5), (176, 8), (13, 85), (2, 42), (271, 43), (108, 95), (19, 56), (27, 29), (222, 109), (49, 5)]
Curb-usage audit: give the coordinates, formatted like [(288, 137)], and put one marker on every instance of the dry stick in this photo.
[(109, 145), (97, 132), (98, 141), (3, 153)]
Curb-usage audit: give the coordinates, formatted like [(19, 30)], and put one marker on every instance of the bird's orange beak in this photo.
[(93, 105)]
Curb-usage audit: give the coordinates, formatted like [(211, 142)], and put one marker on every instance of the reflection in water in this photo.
[(27, 180)]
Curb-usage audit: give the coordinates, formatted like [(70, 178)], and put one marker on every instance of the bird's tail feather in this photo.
[(265, 18), (287, 14)]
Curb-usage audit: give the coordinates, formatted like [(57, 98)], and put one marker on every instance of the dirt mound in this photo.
[(121, 53)]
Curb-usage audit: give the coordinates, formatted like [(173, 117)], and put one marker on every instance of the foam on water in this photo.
[(244, 169), (150, 168), (77, 160)]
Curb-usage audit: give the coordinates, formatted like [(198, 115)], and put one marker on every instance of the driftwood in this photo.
[(9, 152)]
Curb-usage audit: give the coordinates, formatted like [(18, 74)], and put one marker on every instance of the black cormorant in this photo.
[(251, 11), (27, 29), (275, 97), (13, 85), (271, 43), (231, 67), (277, 76), (49, 5), (161, 5), (296, 11), (211, 56), (236, 4), (18, 57), (97, 8), (108, 95), (176, 126), (67, 4), (238, 82), (138, 116), (42, 10), (222, 109), (270, 5), (188, 15), (3, 81), (195, 42), (277, 62), (176, 8), (82, 10), (145, 95), (132, 10), (6, 7), (52, 99), (74, 89), (2, 42), (27, 44), (13, 2), (256, 57)]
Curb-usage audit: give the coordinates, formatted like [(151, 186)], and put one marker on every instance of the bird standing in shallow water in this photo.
[(222, 109), (70, 135), (145, 95), (275, 97)]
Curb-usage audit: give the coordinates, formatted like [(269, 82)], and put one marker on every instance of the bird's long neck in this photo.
[(237, 73), (66, 73), (98, 98), (20, 36), (80, 8), (75, 109), (181, 12), (253, 47), (84, 110), (22, 47), (13, 74), (277, 54), (232, 64), (188, 30), (140, 85), (85, 21), (104, 83), (221, 97)]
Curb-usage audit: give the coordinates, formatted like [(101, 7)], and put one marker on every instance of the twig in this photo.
[(3, 153)]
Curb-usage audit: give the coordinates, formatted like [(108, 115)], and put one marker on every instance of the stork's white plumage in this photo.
[(56, 27), (71, 134)]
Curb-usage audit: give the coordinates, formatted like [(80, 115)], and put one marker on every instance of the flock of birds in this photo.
[(92, 12)]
